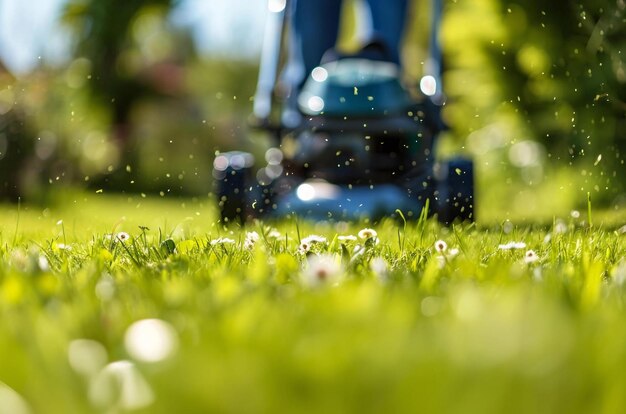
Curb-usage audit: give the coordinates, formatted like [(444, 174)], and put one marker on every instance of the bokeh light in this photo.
[(151, 340), (87, 357)]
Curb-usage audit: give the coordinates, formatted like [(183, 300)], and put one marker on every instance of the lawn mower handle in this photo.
[(270, 57), (435, 59)]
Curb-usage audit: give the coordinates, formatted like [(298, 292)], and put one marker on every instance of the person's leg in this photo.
[(388, 20), (316, 27), (313, 30)]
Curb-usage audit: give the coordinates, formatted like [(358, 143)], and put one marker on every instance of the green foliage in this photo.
[(535, 94), (527, 72), (103, 36), (17, 147), (570, 73), (279, 317), (127, 53)]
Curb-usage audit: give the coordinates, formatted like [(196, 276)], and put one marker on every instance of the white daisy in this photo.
[(380, 268), (304, 247), (348, 238), (63, 246), (252, 236), (560, 227), (445, 255), (530, 257), (313, 238), (43, 264), (512, 245), (308, 242), (619, 273), (122, 236), (321, 270), (441, 246), (222, 240), (367, 233)]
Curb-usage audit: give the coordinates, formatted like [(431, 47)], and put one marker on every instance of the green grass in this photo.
[(394, 325)]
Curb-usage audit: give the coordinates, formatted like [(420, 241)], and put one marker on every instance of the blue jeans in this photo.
[(315, 26)]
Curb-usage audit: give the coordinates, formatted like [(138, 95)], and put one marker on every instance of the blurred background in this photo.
[(137, 96)]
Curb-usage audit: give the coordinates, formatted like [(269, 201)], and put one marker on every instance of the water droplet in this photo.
[(598, 160)]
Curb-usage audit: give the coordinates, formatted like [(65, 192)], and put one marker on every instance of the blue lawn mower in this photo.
[(364, 148)]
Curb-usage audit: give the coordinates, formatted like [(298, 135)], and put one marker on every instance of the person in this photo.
[(314, 30)]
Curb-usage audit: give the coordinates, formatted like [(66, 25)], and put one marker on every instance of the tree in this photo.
[(109, 35), (569, 72), (16, 140), (557, 73)]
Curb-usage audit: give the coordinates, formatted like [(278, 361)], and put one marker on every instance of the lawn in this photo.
[(128, 303)]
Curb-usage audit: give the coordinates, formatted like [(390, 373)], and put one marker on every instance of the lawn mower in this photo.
[(363, 148)]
